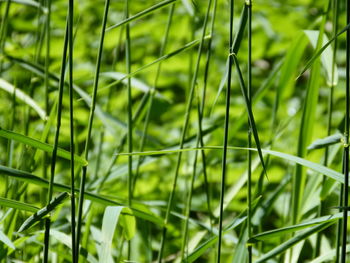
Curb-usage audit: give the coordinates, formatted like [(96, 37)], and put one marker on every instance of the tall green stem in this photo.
[(249, 93), (183, 134), (55, 145), (346, 137), (91, 118), (153, 90), (227, 118), (330, 112), (129, 136), (71, 126), (3, 31)]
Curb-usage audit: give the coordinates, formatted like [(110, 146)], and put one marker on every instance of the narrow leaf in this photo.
[(290, 229), (250, 113), (329, 140), (43, 212), (319, 52), (109, 224), (293, 241), (4, 85), (142, 13), (6, 240), (39, 145), (18, 205)]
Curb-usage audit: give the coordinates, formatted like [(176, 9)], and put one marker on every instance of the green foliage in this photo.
[(161, 120)]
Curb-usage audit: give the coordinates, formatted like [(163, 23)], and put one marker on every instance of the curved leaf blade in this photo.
[(43, 212)]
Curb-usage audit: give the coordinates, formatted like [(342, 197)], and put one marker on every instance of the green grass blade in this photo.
[(306, 127), (185, 126), (135, 83), (18, 205), (110, 122), (37, 216), (29, 3), (129, 109), (32, 179), (153, 91), (343, 258), (249, 157), (250, 113), (66, 240), (201, 249), (290, 229), (90, 123), (184, 48), (293, 241), (3, 31), (71, 125), (235, 48), (326, 57), (109, 224), (320, 51), (288, 157), (145, 12), (226, 129), (4, 239), (240, 33), (20, 95), (325, 142), (56, 140), (329, 256), (39, 145)]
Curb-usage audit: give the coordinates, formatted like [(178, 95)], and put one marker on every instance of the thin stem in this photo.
[(108, 109), (3, 31), (129, 123), (46, 84), (201, 114), (153, 90), (128, 70), (249, 93), (330, 111), (123, 140), (55, 145), (188, 204), (183, 134), (339, 228), (91, 118), (227, 117), (71, 126), (346, 137)]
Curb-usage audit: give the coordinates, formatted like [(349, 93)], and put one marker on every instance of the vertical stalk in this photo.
[(129, 123), (55, 145), (249, 93), (227, 117), (153, 90), (330, 111), (340, 222), (346, 136), (128, 71), (91, 118), (102, 135), (3, 31), (71, 125), (46, 81), (188, 204), (201, 114), (183, 134), (200, 142)]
